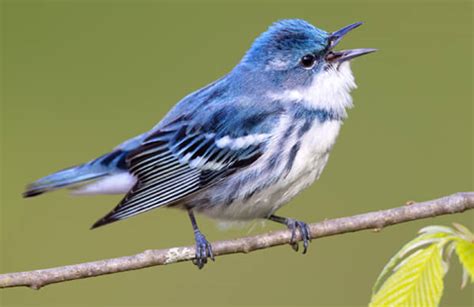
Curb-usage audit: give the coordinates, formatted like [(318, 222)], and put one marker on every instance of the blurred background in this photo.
[(79, 77)]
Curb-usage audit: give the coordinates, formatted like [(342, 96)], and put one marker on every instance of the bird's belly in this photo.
[(268, 201), (308, 165)]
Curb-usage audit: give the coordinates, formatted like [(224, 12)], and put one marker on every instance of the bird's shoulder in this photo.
[(225, 108)]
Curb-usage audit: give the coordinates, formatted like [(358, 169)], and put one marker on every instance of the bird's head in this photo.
[(293, 51)]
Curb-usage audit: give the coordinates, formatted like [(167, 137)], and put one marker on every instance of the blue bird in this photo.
[(239, 148)]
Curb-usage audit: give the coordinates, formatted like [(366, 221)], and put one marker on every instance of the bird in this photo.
[(239, 148)]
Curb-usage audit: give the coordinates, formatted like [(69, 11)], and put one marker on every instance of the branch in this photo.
[(455, 203)]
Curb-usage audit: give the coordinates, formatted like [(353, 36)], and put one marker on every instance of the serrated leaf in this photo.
[(465, 252), (420, 241), (418, 282)]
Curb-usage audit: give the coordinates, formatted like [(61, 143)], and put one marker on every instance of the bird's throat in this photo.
[(329, 90)]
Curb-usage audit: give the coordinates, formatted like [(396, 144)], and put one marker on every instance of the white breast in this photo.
[(308, 164), (315, 146)]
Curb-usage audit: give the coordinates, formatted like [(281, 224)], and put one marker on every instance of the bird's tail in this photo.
[(105, 165)]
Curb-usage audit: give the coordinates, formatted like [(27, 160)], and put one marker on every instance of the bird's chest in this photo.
[(314, 147), (309, 161), (260, 190), (297, 169)]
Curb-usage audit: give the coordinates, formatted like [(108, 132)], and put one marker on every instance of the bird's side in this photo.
[(239, 148)]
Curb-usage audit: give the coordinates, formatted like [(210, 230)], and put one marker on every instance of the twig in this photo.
[(455, 203)]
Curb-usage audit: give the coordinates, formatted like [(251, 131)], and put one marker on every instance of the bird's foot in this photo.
[(295, 225), (203, 250)]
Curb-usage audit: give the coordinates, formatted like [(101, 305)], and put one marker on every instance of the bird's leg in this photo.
[(295, 225), (203, 247)]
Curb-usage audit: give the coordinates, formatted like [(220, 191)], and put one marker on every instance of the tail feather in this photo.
[(103, 166), (61, 179)]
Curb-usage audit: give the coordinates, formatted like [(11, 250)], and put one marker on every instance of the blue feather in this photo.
[(107, 164), (184, 156)]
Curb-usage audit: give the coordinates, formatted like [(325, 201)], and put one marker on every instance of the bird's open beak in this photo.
[(344, 55)]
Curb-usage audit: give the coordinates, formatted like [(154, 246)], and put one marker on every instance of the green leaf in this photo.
[(465, 251), (417, 282), (426, 237)]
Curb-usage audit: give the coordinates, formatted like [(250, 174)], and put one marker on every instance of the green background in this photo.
[(80, 77)]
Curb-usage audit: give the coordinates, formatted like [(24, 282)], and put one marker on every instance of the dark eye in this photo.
[(308, 60)]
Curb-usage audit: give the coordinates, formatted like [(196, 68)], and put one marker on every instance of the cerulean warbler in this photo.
[(239, 148)]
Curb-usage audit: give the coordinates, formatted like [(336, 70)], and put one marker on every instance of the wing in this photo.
[(188, 155)]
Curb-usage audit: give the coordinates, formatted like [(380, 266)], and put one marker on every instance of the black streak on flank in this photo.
[(306, 126), (273, 161), (231, 197), (287, 134), (249, 195), (291, 157)]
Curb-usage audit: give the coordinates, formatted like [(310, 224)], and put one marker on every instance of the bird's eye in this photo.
[(308, 60)]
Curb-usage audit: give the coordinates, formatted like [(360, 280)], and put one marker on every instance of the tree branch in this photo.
[(455, 203)]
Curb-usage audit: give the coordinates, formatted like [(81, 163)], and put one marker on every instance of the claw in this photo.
[(203, 250), (294, 225), (295, 246)]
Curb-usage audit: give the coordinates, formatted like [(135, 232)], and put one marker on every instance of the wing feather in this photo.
[(190, 153), (168, 171)]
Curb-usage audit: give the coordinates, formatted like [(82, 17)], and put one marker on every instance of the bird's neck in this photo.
[(329, 91)]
